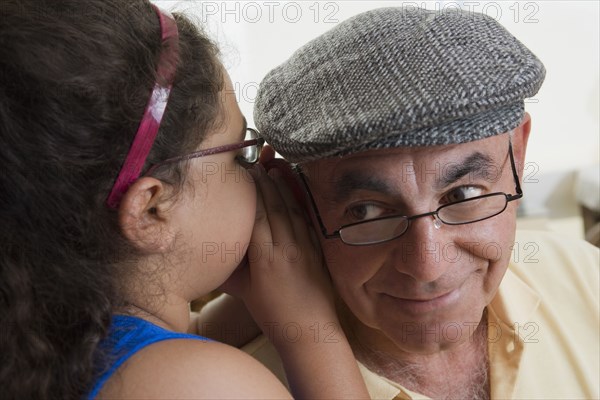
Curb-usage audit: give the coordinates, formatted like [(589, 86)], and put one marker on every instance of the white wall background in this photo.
[(255, 36)]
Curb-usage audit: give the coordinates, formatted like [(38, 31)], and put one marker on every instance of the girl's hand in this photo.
[(284, 283), (287, 289)]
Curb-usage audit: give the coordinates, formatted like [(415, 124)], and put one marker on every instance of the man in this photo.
[(409, 135)]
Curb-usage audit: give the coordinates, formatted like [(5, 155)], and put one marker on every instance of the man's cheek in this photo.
[(339, 255), (488, 240)]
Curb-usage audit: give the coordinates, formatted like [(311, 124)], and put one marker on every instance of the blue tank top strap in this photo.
[(127, 336)]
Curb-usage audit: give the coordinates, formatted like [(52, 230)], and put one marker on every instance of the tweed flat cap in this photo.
[(395, 77)]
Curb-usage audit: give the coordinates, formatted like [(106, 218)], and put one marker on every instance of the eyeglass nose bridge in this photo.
[(438, 222), (405, 223)]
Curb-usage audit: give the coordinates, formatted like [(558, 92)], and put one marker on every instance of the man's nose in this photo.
[(420, 251)]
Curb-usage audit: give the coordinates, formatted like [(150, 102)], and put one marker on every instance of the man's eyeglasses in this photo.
[(384, 229), (250, 151)]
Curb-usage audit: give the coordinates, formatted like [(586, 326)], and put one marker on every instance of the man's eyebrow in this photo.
[(478, 164), (355, 180)]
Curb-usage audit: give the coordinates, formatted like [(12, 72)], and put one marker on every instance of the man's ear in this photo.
[(519, 142), (144, 217)]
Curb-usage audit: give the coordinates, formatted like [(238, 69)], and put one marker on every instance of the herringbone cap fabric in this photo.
[(395, 77)]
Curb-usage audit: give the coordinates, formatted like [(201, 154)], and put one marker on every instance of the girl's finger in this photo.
[(275, 208), (296, 214), (262, 229), (266, 155)]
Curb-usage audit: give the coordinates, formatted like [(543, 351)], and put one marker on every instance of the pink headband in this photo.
[(154, 112)]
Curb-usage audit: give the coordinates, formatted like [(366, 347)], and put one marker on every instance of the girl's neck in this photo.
[(169, 314)]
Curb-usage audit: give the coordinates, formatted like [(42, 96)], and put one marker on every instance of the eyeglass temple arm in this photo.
[(207, 152), (313, 203), (518, 189)]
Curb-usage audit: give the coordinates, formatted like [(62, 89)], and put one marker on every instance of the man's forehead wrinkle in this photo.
[(396, 171)]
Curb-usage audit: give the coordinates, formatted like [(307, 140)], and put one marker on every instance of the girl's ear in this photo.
[(144, 215)]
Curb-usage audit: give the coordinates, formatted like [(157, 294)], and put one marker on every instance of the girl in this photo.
[(124, 196)]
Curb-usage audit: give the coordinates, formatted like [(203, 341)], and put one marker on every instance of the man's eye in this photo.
[(362, 212), (463, 193)]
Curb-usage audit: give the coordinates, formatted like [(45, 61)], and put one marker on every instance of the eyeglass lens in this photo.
[(472, 210), (464, 212)]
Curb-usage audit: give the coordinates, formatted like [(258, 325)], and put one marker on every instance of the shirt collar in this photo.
[(522, 304)]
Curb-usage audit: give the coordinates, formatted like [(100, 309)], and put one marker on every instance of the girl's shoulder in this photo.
[(187, 368)]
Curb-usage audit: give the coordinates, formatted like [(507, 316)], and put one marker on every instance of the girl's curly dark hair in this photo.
[(75, 77)]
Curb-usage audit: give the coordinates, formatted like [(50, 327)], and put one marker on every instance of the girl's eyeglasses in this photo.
[(250, 151)]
